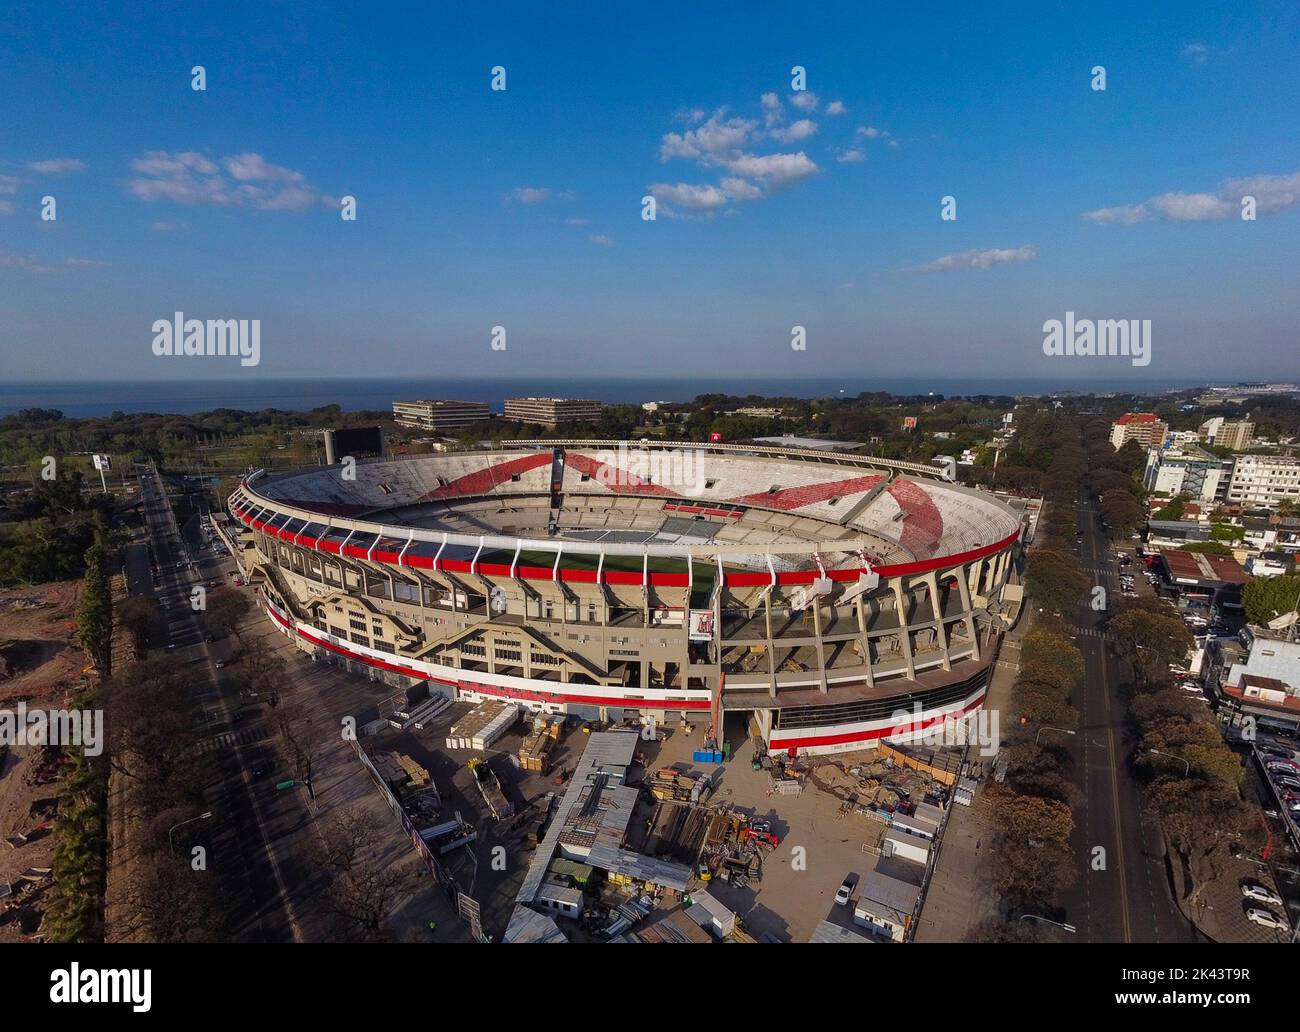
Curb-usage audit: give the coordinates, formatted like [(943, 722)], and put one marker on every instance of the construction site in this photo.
[(39, 667)]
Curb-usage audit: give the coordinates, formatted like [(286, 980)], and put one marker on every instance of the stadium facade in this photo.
[(823, 601)]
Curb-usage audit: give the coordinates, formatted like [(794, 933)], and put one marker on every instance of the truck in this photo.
[(489, 787), (449, 835)]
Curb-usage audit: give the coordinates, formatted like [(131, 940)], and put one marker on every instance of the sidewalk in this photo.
[(955, 901)]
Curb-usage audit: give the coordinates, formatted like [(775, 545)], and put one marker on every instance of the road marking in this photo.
[(1114, 783)]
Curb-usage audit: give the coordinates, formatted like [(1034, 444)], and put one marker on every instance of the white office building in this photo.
[(1264, 480)]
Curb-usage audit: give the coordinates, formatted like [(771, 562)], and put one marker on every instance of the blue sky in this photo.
[(522, 208)]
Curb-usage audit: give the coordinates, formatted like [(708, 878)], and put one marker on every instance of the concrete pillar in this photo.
[(903, 632), (932, 583), (968, 614)]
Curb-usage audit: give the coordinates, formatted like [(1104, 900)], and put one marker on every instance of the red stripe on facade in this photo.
[(810, 741)]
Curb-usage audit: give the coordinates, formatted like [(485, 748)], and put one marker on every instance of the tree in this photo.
[(1207, 548), (1173, 510), (225, 611), (1055, 580), (1028, 819), (1266, 598), (1040, 770), (997, 929), (1121, 511), (95, 611), (139, 615), (361, 893), (1028, 877), (1199, 819), (1149, 642)]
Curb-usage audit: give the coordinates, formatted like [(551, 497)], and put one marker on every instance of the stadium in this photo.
[(821, 600)]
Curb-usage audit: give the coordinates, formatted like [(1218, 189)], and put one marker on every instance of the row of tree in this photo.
[(1192, 776)]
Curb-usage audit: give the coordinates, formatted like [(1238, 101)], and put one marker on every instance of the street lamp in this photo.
[(1062, 730), (1187, 767), (1047, 920), (201, 817)]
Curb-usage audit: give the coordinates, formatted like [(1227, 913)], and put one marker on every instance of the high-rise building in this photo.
[(552, 411), (1199, 476), (1235, 435), (440, 415), (1264, 480), (1142, 427)]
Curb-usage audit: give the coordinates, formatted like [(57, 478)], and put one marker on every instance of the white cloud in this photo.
[(1272, 193), (804, 100), (187, 177), (1198, 53), (530, 194), (30, 263), (709, 142), (703, 198), (870, 132), (726, 142), (576, 222), (773, 113), (1192, 207), (254, 168), (1123, 215), (170, 226), (836, 107), (850, 156), (774, 169), (57, 166), (9, 184), (978, 259), (740, 189), (601, 240), (795, 131)]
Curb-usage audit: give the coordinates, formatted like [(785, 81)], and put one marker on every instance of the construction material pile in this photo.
[(735, 848), (482, 726), (534, 753)]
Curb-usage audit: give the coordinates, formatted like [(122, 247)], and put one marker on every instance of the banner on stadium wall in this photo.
[(701, 625)]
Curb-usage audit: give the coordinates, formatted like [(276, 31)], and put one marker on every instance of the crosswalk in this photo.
[(232, 739)]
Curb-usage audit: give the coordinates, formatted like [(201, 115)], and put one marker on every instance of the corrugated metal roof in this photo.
[(611, 753), (530, 926), (827, 932)]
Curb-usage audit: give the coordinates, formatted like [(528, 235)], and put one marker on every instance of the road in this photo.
[(1123, 892), (252, 820)]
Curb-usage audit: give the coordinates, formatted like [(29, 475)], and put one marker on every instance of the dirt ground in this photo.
[(43, 667)]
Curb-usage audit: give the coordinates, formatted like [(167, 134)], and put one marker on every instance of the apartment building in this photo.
[(1197, 476), (440, 415), (1142, 427), (1264, 480), (552, 411), (1222, 433)]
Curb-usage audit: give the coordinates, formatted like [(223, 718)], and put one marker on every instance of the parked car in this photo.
[(846, 890), (1266, 918), (1262, 893)]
